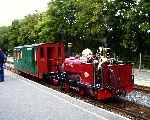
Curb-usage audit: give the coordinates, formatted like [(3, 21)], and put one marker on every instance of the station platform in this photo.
[(22, 99), (142, 77)]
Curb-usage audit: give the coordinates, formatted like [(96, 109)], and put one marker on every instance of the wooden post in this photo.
[(69, 49), (140, 62)]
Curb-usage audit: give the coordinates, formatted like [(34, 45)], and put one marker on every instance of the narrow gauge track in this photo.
[(123, 107), (141, 88)]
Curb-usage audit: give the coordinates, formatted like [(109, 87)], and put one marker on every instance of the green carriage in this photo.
[(25, 58)]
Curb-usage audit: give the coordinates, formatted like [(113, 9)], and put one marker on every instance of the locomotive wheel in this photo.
[(55, 82), (61, 86), (124, 93), (49, 81), (66, 87), (81, 91), (103, 94)]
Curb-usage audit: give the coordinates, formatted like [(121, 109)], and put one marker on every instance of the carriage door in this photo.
[(42, 60), (51, 59)]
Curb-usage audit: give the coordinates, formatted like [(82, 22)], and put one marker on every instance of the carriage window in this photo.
[(20, 56), (59, 52), (35, 55), (42, 52)]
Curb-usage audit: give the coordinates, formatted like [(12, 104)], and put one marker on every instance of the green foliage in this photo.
[(4, 43), (123, 25), (27, 32)]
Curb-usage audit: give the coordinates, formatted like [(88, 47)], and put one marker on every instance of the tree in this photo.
[(4, 42), (27, 30), (13, 34)]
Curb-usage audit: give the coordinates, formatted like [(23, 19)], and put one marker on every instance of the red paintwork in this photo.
[(118, 77), (55, 82), (103, 94), (85, 70), (66, 87), (51, 60), (87, 74), (81, 92), (125, 71)]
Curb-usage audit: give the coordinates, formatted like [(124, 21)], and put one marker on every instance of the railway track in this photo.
[(120, 106), (125, 108), (141, 88)]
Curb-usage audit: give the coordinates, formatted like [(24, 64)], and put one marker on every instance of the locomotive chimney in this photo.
[(69, 49)]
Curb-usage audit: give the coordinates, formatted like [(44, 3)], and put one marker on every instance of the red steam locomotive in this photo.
[(101, 77)]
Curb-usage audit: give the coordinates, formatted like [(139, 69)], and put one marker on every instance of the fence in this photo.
[(135, 59)]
